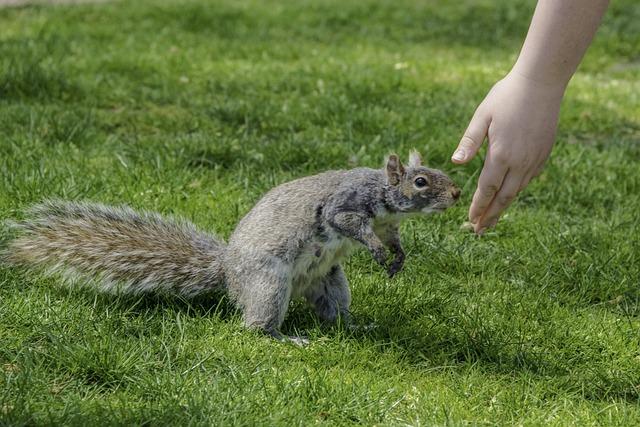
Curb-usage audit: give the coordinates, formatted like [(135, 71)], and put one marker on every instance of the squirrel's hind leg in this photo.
[(263, 294), (330, 296)]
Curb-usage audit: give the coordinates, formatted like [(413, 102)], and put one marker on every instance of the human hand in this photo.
[(520, 117)]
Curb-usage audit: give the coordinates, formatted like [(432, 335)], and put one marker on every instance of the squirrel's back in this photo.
[(123, 249), (287, 215)]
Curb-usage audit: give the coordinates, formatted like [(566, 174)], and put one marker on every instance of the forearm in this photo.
[(559, 34)]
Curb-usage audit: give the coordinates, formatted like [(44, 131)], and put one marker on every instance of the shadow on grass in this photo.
[(462, 341), (276, 156), (483, 25), (456, 340), (215, 304), (31, 69), (453, 340)]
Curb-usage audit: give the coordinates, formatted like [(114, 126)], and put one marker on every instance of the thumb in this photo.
[(473, 138)]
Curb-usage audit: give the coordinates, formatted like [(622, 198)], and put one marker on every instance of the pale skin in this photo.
[(519, 115)]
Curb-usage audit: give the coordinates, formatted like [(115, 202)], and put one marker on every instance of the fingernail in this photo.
[(458, 155)]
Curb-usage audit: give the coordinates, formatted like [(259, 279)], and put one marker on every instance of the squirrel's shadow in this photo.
[(214, 304), (445, 338), (449, 342)]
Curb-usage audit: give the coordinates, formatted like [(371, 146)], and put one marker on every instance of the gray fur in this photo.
[(127, 251), (289, 245)]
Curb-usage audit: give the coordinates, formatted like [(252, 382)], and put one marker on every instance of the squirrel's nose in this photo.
[(455, 193)]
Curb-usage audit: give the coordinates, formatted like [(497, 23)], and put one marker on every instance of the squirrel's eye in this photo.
[(420, 182)]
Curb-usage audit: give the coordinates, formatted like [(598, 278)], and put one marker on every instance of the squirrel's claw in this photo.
[(380, 255), (396, 265), (297, 340)]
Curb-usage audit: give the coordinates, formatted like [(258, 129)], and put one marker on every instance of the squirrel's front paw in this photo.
[(380, 255), (396, 265)]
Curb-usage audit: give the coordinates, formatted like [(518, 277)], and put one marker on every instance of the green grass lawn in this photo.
[(197, 108)]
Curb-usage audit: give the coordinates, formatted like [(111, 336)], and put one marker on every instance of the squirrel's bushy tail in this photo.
[(123, 249)]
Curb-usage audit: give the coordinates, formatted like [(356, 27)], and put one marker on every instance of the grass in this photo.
[(196, 109)]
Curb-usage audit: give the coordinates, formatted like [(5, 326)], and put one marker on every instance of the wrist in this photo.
[(552, 88), (540, 80)]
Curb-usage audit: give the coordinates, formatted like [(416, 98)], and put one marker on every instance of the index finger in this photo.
[(502, 199), (489, 183)]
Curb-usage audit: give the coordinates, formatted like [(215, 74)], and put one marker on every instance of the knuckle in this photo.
[(505, 199), (501, 156), (467, 141), (524, 163), (488, 190), (481, 114)]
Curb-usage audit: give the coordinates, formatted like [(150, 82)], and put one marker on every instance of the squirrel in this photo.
[(289, 245)]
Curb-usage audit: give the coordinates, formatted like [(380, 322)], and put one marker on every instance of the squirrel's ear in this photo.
[(415, 159), (395, 170)]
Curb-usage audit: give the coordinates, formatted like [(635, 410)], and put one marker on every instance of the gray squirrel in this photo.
[(289, 245)]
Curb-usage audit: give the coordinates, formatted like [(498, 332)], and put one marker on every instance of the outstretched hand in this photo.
[(520, 117)]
